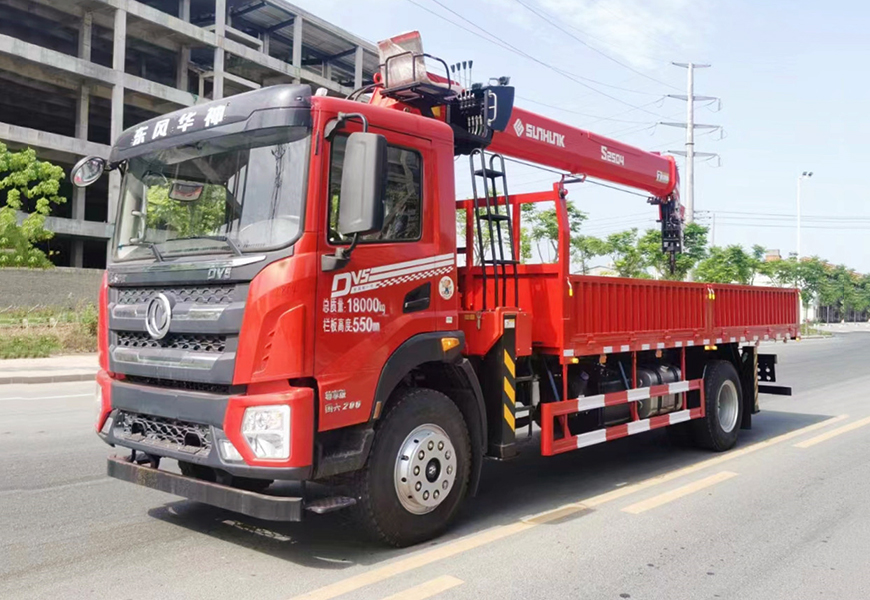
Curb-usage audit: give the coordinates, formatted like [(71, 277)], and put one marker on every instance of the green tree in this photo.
[(187, 218), (694, 250), (30, 186), (584, 248), (628, 260), (545, 227), (731, 264)]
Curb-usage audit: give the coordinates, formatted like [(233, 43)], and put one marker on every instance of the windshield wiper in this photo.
[(150, 245), (220, 238)]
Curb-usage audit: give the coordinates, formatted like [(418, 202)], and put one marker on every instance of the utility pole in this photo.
[(801, 177), (691, 126)]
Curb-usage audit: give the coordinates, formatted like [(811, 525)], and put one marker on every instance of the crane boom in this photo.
[(543, 141), (484, 117)]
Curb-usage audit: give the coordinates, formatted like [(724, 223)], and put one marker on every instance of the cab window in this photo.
[(403, 206)]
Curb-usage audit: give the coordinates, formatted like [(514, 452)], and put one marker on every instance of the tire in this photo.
[(437, 425), (719, 429)]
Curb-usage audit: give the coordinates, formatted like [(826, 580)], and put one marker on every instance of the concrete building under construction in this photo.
[(74, 74)]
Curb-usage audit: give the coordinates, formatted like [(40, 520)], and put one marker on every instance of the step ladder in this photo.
[(495, 232)]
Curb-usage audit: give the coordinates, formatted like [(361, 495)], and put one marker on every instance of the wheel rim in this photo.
[(425, 469), (727, 406)]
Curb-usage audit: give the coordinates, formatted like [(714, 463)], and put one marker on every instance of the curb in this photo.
[(47, 378)]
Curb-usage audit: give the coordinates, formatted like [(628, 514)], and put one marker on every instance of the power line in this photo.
[(510, 47), (582, 114), (562, 173), (732, 214), (593, 48)]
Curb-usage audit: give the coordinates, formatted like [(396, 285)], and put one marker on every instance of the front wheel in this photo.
[(418, 470), (719, 429)]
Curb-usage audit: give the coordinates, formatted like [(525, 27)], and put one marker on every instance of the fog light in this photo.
[(266, 429), (229, 452)]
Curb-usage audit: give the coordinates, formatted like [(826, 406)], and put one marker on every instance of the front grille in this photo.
[(171, 434), (201, 294), (190, 386), (195, 342)]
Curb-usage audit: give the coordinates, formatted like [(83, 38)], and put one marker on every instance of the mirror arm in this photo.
[(339, 260), (337, 124)]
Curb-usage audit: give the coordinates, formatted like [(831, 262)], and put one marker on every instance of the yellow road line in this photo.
[(670, 496), (351, 584), (833, 433), (428, 589), (475, 540)]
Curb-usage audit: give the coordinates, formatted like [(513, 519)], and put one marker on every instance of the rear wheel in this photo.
[(418, 470), (719, 429)]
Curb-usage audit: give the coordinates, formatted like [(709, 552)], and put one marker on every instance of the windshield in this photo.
[(240, 193)]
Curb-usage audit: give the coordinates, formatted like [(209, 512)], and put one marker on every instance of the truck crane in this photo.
[(285, 304)]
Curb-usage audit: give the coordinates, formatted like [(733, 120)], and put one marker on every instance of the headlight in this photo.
[(266, 429)]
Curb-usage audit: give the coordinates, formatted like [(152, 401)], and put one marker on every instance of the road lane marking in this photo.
[(428, 589), (487, 536), (833, 433), (670, 496), (355, 582)]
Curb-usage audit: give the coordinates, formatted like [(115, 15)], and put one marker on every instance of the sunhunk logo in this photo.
[(539, 133), (613, 157), (519, 127)]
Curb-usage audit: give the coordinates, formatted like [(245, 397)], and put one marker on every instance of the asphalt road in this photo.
[(784, 516)]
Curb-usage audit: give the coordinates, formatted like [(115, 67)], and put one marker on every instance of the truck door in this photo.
[(387, 292)]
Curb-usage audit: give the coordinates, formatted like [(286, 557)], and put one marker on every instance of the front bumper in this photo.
[(217, 417), (260, 506)]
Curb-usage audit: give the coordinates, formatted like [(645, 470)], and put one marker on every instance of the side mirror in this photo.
[(87, 171), (363, 184)]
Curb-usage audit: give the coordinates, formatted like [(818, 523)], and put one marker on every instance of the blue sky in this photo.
[(792, 77)]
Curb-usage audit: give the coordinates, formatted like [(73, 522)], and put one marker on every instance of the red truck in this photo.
[(284, 303)]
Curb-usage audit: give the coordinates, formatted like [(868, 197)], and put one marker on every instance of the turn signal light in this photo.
[(449, 343)]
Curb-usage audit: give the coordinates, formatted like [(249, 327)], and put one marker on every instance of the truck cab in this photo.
[(244, 331)]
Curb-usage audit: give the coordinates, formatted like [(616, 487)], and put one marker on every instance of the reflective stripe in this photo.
[(591, 438), (509, 417), (509, 363), (509, 391), (679, 417)]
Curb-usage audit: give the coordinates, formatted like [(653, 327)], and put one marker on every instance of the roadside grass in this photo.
[(808, 330), (43, 331)]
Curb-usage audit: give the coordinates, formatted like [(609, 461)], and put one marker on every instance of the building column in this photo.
[(83, 103), (358, 68), (220, 30), (267, 42), (119, 53), (297, 46), (77, 254), (182, 80)]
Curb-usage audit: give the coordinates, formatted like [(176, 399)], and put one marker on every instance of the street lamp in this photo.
[(801, 177)]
